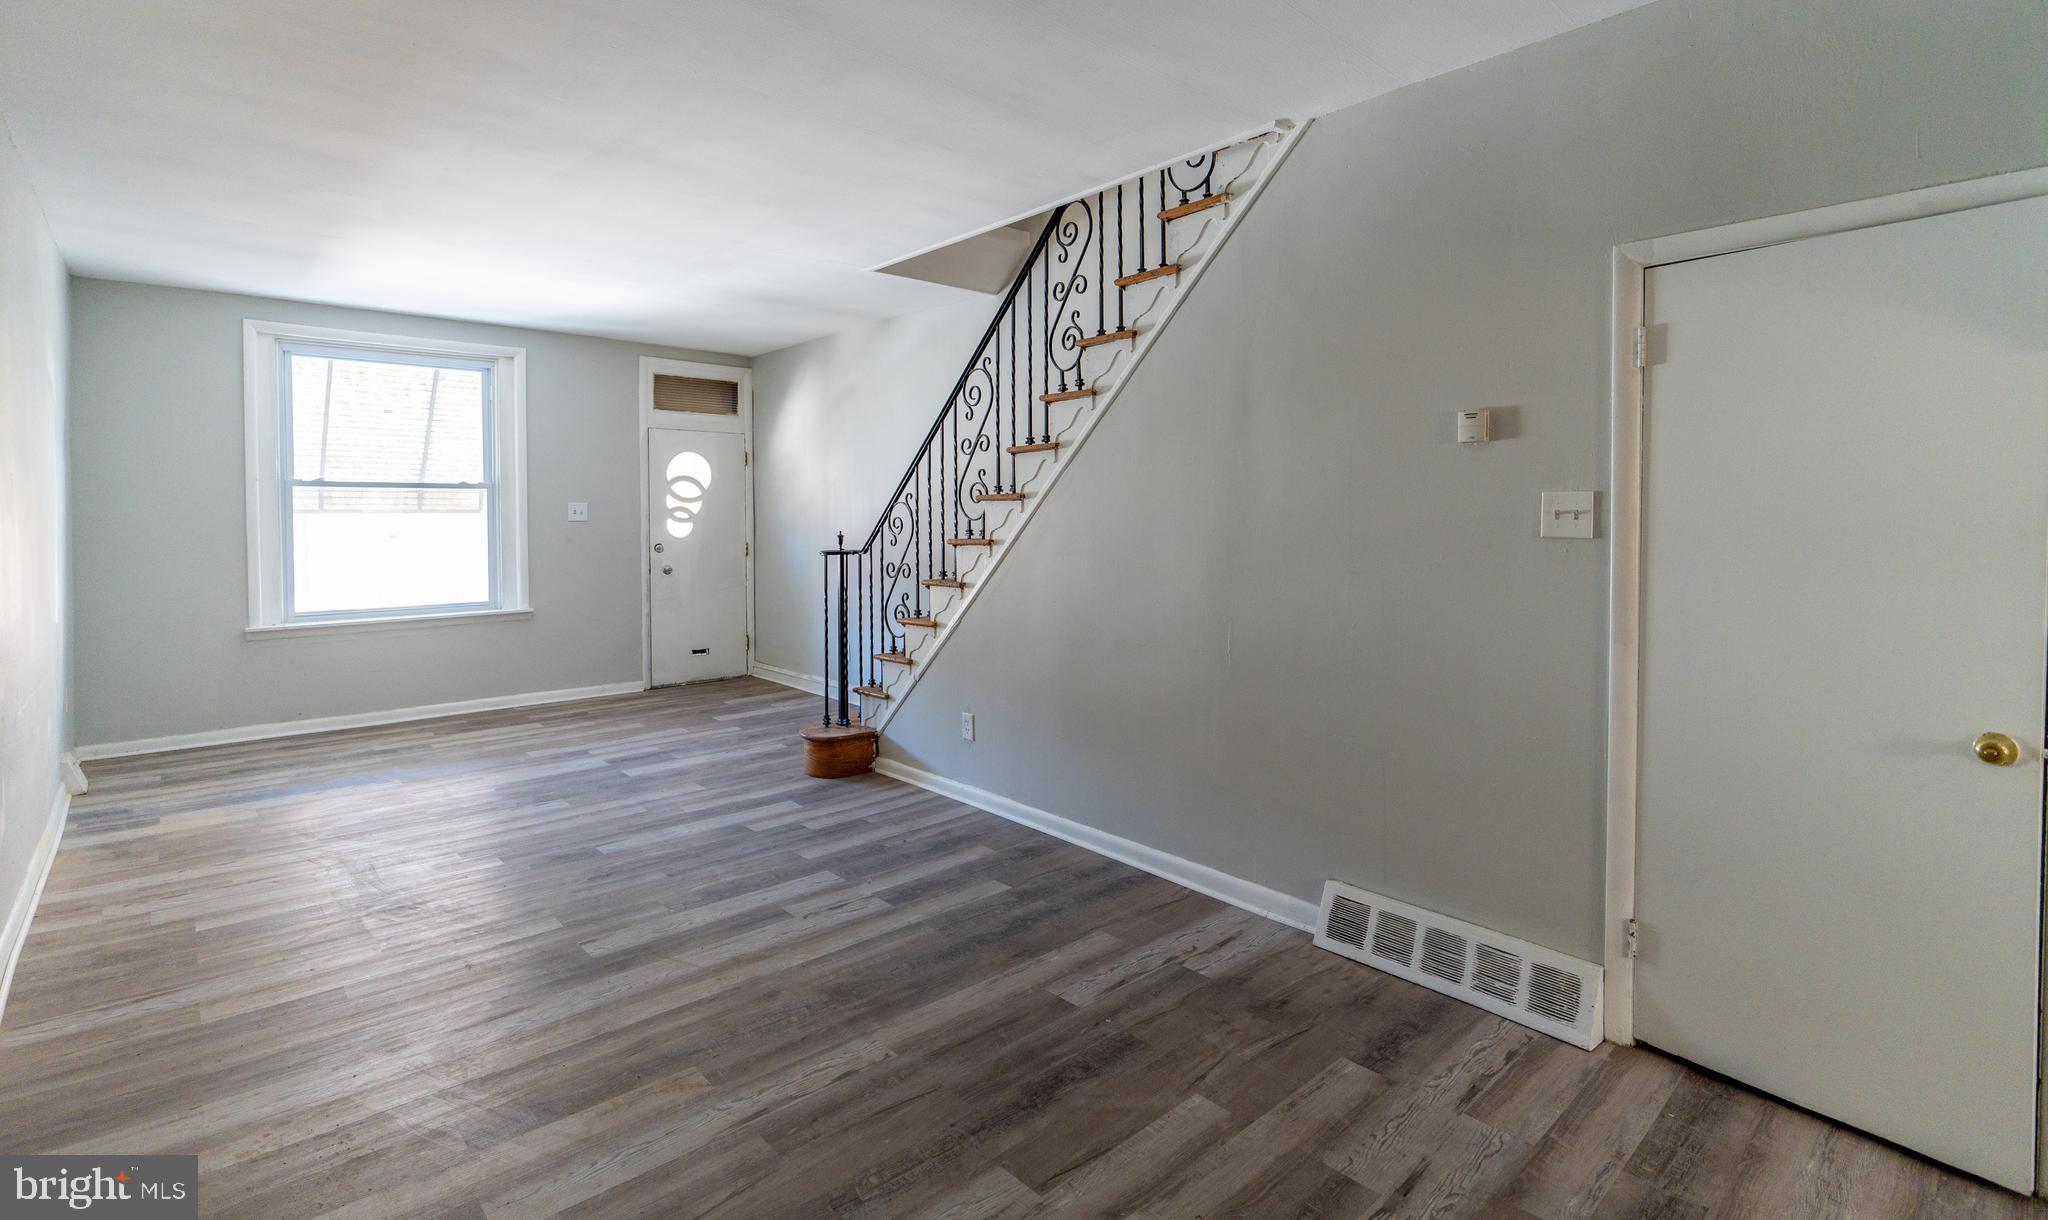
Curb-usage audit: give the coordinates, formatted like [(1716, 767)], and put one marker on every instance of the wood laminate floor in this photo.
[(620, 958)]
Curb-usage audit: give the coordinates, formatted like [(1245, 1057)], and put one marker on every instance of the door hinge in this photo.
[(1642, 347), (1635, 936), (746, 457), (747, 548)]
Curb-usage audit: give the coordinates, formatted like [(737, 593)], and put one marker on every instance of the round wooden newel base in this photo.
[(835, 751)]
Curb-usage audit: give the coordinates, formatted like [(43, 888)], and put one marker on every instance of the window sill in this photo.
[(352, 626)]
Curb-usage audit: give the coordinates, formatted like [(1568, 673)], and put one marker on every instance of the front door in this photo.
[(697, 555), (1845, 570)]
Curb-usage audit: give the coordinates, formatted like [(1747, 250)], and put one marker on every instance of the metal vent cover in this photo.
[(1347, 921), (1443, 955), (1527, 983), (696, 395), (1554, 993), (1393, 938), (1497, 972)]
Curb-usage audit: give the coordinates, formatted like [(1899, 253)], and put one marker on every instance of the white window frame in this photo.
[(263, 428)]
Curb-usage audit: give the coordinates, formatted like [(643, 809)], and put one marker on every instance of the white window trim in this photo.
[(264, 472)]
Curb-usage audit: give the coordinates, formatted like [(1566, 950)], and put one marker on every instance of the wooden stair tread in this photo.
[(917, 622), (1065, 395), (1115, 336), (1039, 447), (1154, 274), (990, 497), (942, 582), (970, 542), (871, 692), (894, 658), (1190, 208)]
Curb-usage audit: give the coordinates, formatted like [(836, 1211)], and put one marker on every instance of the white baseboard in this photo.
[(354, 720), (1238, 892), (74, 775), (811, 683), (14, 933)]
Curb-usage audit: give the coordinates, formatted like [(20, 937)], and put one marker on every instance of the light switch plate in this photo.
[(1568, 514), (579, 511)]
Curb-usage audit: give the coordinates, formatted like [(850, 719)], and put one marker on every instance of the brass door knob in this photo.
[(1997, 749)]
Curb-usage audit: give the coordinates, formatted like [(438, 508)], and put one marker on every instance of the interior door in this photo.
[(697, 555), (1845, 535)]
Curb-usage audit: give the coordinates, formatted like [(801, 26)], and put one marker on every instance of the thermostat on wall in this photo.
[(1475, 426)]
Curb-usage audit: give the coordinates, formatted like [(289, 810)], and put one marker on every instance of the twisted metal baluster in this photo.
[(1163, 256), (824, 639), (1119, 254), (1101, 281), (1141, 224)]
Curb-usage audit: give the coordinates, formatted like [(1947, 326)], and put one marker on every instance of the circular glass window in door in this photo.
[(689, 477)]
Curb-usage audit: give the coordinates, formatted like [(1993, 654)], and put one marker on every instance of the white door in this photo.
[(1845, 572), (697, 555)]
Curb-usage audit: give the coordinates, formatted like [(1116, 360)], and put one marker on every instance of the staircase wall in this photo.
[(1278, 622), (836, 420)]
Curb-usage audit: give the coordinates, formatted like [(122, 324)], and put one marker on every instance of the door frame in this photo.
[(1631, 265), (649, 420)]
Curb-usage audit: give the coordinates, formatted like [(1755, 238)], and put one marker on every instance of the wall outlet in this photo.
[(579, 511), (967, 726)]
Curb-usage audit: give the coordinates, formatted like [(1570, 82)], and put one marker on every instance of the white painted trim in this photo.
[(811, 684), (1078, 433), (73, 774), (1238, 892), (263, 464), (15, 933), (1624, 627), (352, 720), (1632, 261), (354, 626), (744, 379), (1839, 218)]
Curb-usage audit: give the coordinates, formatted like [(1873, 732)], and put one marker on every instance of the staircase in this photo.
[(1104, 277)]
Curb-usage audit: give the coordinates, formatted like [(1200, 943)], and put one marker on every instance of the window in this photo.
[(384, 479)]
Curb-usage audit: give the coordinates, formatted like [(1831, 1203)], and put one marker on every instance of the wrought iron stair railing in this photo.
[(1055, 331)]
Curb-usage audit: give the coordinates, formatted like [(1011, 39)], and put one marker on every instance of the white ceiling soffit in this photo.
[(985, 262), (711, 174)]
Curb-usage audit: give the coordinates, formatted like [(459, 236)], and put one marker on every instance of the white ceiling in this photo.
[(712, 173)]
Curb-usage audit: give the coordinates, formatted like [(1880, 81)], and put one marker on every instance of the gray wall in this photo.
[(161, 583), (1276, 620), (836, 421), (34, 725)]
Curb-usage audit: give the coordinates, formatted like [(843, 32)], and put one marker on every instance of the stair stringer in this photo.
[(950, 606)]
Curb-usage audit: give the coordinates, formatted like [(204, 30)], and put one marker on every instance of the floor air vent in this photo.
[(1511, 978)]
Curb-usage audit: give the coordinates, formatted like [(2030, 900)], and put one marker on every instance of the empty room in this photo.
[(951, 611)]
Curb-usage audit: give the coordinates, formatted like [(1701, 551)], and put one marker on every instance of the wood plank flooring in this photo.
[(621, 958)]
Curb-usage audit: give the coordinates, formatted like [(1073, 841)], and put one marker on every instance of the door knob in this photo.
[(665, 570), (1997, 749)]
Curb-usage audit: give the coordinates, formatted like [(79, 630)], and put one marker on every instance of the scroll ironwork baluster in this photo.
[(1033, 348)]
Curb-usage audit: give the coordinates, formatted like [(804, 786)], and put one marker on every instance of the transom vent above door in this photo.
[(696, 395)]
